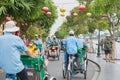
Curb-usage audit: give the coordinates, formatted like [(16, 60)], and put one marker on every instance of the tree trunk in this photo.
[(113, 46)]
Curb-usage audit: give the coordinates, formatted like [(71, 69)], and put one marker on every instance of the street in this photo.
[(55, 69)]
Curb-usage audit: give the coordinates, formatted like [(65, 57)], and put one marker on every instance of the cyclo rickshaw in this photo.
[(46, 49), (53, 50), (79, 66), (39, 46), (36, 68)]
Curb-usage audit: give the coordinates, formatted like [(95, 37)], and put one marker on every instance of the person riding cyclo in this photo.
[(52, 48), (48, 42), (56, 44), (38, 42), (32, 47), (81, 51), (71, 48)]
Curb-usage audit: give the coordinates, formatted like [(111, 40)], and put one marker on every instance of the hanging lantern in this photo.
[(7, 19), (45, 9), (88, 14), (62, 9), (48, 14), (75, 14), (82, 7), (62, 14)]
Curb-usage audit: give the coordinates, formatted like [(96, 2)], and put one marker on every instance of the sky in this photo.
[(68, 5)]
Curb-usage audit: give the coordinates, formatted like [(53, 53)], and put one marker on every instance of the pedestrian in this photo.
[(10, 50), (108, 48), (81, 53), (87, 42)]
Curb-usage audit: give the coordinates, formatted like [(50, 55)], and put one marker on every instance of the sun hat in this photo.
[(10, 27), (71, 32), (36, 35)]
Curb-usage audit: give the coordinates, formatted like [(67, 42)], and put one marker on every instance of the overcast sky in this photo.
[(69, 5)]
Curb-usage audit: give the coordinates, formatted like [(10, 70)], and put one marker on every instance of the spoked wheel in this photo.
[(58, 55), (48, 55), (69, 75), (85, 72), (52, 78), (64, 71)]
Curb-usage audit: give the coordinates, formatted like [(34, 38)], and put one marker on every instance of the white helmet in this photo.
[(36, 35), (80, 36), (54, 36), (71, 32)]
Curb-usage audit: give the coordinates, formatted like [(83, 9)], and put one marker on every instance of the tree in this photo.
[(112, 10), (79, 23), (28, 12)]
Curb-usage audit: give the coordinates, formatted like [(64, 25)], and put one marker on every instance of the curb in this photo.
[(97, 73)]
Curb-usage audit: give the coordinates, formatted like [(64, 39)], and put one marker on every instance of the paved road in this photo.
[(55, 69)]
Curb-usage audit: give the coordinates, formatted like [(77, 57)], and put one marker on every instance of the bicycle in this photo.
[(74, 67), (70, 68)]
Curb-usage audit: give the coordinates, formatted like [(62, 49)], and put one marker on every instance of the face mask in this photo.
[(30, 44)]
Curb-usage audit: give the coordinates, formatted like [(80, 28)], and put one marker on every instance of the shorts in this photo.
[(108, 51)]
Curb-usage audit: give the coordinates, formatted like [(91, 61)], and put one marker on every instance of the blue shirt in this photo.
[(49, 40), (64, 41), (81, 42), (10, 47), (37, 41), (71, 44), (55, 40)]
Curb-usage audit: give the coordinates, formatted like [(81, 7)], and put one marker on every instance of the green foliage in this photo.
[(31, 31), (28, 11), (108, 7), (79, 24), (19, 9)]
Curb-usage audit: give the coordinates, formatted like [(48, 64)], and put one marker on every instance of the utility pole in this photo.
[(98, 53)]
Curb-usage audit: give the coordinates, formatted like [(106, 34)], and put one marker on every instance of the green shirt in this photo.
[(107, 45)]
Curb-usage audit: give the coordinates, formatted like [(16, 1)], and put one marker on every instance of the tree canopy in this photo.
[(105, 15), (28, 12)]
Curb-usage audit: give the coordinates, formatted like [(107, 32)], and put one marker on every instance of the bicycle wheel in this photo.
[(69, 75), (64, 71), (85, 75), (85, 71)]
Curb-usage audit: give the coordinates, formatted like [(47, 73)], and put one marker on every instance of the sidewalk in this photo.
[(109, 70)]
